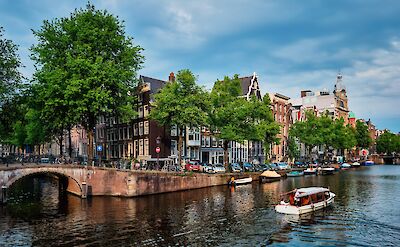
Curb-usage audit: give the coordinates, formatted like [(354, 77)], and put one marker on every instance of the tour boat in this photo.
[(305, 200), (269, 176), (326, 170), (295, 174), (355, 164), (345, 166), (240, 181)]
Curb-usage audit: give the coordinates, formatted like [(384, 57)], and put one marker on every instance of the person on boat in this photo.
[(232, 181)]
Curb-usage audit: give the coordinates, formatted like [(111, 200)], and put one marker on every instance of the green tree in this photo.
[(10, 77), (388, 143), (87, 67), (233, 118), (181, 103), (363, 139), (308, 132), (11, 88), (293, 148)]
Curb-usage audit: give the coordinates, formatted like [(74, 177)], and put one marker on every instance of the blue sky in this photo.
[(291, 45)]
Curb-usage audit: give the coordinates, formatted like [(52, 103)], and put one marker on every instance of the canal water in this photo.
[(366, 213)]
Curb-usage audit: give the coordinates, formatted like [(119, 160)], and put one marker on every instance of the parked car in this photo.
[(192, 166), (258, 168), (273, 166), (235, 167), (219, 168), (205, 167), (283, 166), (247, 167), (265, 167)]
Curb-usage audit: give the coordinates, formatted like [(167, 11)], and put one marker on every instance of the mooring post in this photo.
[(3, 195), (84, 190)]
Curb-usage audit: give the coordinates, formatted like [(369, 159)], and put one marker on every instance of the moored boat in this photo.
[(326, 170), (295, 174), (310, 171), (269, 176), (240, 181), (369, 163), (355, 164), (305, 200), (345, 166)]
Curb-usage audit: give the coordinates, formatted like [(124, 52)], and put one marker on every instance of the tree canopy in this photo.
[(388, 143), (234, 118), (86, 67), (362, 136), (181, 103)]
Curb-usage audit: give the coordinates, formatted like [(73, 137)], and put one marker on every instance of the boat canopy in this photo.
[(270, 174), (310, 191)]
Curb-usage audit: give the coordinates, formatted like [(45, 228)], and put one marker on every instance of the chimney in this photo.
[(171, 77), (304, 93)]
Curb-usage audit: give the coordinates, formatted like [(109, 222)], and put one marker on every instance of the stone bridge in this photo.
[(86, 181)]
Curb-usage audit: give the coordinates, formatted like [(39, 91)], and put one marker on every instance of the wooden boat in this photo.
[(240, 181), (355, 164), (305, 200), (326, 170), (269, 176), (295, 174)]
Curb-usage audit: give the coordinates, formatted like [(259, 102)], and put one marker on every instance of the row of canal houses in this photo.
[(139, 139)]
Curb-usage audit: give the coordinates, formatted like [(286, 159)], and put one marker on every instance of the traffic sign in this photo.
[(99, 148), (158, 149)]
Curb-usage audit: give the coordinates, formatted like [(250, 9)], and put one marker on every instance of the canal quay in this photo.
[(365, 213)]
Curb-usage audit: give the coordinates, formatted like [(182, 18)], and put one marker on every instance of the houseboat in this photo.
[(305, 200)]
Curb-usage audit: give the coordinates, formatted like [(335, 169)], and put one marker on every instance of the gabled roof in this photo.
[(155, 84), (250, 83)]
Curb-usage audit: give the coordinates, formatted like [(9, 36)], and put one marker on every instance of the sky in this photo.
[(291, 45)]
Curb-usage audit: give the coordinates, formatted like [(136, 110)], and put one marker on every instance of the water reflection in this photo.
[(365, 213)]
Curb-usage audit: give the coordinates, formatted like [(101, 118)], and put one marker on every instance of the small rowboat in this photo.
[(327, 170), (295, 174), (305, 200), (240, 181), (345, 166)]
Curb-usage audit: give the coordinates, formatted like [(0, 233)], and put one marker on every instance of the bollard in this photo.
[(84, 190), (3, 195)]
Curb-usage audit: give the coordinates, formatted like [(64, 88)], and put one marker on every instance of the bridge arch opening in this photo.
[(65, 182)]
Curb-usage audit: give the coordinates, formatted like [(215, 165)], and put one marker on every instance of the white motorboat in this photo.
[(240, 181), (305, 200), (310, 171), (355, 164), (326, 170)]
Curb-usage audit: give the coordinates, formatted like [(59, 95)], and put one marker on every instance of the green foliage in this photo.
[(10, 77), (293, 148), (86, 67), (181, 103), (388, 143), (362, 136), (233, 118)]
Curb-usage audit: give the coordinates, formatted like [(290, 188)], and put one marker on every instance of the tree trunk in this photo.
[(69, 144), (61, 144), (90, 145), (226, 154), (180, 142)]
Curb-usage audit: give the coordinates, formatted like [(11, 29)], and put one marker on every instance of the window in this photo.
[(141, 147), (146, 110), (121, 134), (203, 141), (146, 146), (135, 129), (141, 128), (125, 133), (173, 147), (174, 131), (191, 137), (214, 142), (136, 148), (141, 112), (207, 141), (146, 127)]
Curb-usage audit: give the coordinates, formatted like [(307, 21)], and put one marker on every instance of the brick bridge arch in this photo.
[(76, 177)]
